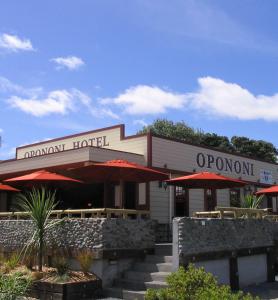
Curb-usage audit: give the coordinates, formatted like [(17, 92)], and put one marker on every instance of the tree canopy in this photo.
[(237, 144)]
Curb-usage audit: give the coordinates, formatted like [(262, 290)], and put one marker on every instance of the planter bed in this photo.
[(45, 290)]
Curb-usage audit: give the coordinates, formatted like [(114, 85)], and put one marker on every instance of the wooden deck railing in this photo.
[(234, 212), (83, 213)]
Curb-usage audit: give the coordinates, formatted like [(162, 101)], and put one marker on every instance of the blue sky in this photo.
[(71, 66)]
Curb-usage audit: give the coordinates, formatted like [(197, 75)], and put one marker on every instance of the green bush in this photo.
[(12, 262), (85, 259), (61, 263), (12, 286), (194, 284)]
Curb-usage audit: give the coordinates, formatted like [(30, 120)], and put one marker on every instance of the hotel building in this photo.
[(168, 155)]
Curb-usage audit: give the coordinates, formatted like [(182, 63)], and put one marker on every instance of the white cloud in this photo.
[(214, 97), (6, 86), (108, 112), (14, 43), (70, 62), (140, 122), (56, 102), (1, 130), (143, 99), (36, 102), (224, 99)]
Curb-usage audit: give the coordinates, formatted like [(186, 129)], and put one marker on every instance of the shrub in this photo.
[(251, 201), (61, 264), (85, 259), (194, 284), (12, 262), (12, 286), (29, 260)]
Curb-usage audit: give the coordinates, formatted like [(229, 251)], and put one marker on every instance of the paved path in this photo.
[(266, 291)]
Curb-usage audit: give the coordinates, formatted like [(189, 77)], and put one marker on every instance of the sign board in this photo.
[(98, 138), (266, 177), (222, 163)]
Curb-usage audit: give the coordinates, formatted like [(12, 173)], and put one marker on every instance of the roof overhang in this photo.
[(63, 161)]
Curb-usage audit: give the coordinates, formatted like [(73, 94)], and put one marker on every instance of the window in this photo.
[(235, 197)]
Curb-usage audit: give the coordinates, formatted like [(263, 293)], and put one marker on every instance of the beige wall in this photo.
[(112, 141), (159, 203), (196, 200), (182, 157)]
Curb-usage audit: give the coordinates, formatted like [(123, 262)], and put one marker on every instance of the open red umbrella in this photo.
[(271, 191), (116, 170), (7, 188), (41, 176), (206, 180)]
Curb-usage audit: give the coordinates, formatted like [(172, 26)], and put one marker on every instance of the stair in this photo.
[(150, 273)]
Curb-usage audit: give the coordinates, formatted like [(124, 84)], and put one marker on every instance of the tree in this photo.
[(178, 130), (255, 148), (242, 145), (39, 203), (216, 141)]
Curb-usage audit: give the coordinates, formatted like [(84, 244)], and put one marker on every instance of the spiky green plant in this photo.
[(39, 203), (251, 201)]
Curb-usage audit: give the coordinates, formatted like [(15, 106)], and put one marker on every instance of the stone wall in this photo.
[(197, 236), (76, 234), (237, 251)]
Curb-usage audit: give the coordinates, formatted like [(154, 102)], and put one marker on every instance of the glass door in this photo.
[(210, 199), (181, 202)]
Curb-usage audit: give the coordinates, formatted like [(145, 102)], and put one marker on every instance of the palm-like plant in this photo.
[(251, 201), (39, 203)]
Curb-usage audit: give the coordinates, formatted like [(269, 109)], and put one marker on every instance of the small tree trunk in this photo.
[(40, 253)]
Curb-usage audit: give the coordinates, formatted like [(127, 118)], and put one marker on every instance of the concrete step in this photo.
[(155, 285), (113, 292), (130, 284), (158, 259), (133, 295), (135, 285), (163, 249), (120, 293), (151, 268), (144, 276)]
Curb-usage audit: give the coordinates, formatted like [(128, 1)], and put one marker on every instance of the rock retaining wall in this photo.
[(76, 234), (237, 251), (197, 236)]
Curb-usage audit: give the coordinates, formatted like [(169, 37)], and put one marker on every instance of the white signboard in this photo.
[(266, 177)]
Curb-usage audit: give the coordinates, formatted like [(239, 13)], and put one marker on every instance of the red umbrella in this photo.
[(41, 177), (271, 191), (7, 188), (206, 180), (116, 170)]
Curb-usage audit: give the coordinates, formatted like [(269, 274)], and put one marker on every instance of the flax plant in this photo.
[(39, 203), (252, 201)]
